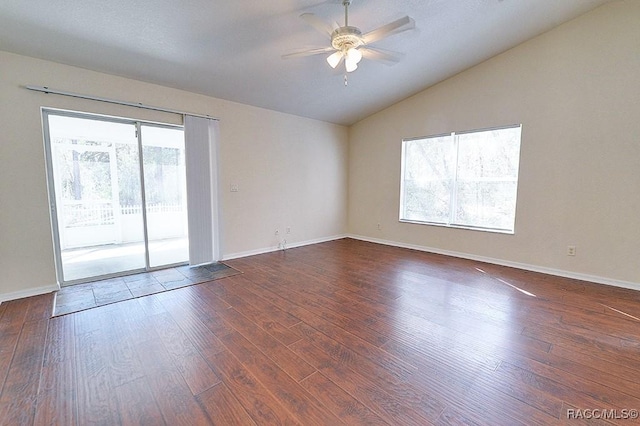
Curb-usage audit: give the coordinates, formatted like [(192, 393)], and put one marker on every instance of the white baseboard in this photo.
[(517, 265), (5, 297), (288, 246)]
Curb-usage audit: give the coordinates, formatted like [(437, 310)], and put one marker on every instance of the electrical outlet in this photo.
[(288, 230), (379, 227), (571, 250), (277, 232)]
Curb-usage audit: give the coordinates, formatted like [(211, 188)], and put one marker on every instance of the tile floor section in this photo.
[(90, 295)]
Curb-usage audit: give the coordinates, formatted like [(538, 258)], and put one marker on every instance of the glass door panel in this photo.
[(94, 166), (165, 194)]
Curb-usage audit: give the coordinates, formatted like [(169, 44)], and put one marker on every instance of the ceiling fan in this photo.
[(349, 44)]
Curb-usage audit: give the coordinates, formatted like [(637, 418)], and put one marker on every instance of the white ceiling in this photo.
[(232, 49)]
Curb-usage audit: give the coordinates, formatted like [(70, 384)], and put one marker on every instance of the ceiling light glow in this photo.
[(334, 59)]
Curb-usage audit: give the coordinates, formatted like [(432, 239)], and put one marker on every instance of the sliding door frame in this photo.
[(53, 211)]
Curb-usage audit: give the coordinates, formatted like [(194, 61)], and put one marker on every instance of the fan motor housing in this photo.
[(345, 38)]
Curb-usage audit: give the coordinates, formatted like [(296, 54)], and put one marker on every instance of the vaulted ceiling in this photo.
[(233, 49)]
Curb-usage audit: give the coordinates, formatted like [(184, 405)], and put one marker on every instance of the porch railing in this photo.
[(83, 213)]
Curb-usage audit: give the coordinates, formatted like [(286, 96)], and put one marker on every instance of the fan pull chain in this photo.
[(345, 80)]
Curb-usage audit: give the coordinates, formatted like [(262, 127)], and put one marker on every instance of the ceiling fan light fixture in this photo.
[(351, 59), (348, 40), (334, 59), (354, 55), (350, 65)]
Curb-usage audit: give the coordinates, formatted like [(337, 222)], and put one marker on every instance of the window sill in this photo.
[(469, 228)]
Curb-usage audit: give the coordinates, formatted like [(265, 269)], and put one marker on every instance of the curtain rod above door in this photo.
[(46, 89)]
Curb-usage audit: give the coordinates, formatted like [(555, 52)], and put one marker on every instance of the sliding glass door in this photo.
[(117, 195), (165, 190)]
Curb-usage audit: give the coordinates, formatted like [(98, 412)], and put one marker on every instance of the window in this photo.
[(466, 179)]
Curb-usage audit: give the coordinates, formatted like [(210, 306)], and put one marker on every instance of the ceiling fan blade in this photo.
[(308, 52), (387, 56), (397, 26), (317, 23)]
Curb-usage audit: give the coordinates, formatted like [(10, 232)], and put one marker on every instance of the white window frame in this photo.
[(451, 222)]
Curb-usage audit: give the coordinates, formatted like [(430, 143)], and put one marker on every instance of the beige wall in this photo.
[(291, 171), (576, 91)]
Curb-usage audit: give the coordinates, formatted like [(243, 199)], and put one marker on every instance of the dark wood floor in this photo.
[(344, 332)]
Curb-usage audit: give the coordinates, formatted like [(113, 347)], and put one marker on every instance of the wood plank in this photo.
[(311, 312), (151, 304), (232, 291), (3, 307), (57, 399), (389, 406), (267, 316), (40, 307), (8, 342), (451, 416), (10, 327), (189, 322), (286, 390), (563, 386), (137, 404), (56, 407), (15, 313), (175, 400), (154, 356), (623, 378), (188, 361), (254, 397), (582, 344), (387, 372), (97, 402), (288, 361), (343, 405), (580, 360), (349, 352), (528, 388), (17, 400), (223, 407)]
